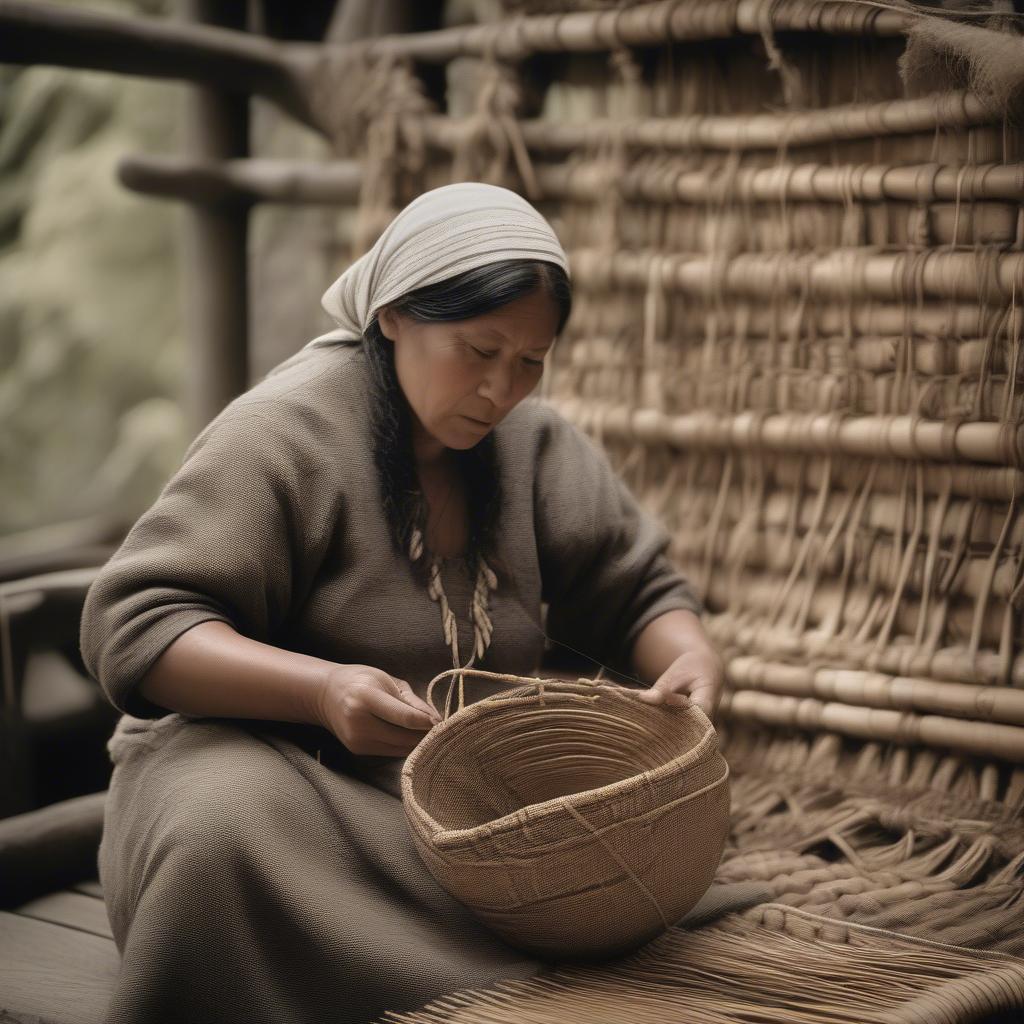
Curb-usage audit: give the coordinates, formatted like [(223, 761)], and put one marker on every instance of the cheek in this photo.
[(442, 384), (529, 380), (463, 383), (409, 370)]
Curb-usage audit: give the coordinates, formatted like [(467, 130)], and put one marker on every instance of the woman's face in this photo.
[(462, 377)]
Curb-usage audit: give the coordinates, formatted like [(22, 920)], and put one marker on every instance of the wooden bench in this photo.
[(58, 960)]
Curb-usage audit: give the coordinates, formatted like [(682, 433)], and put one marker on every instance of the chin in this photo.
[(462, 438), (463, 444)]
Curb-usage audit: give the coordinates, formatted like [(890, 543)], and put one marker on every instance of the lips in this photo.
[(479, 423)]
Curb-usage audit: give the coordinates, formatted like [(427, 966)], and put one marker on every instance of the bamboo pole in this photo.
[(305, 181), (951, 110), (878, 690), (981, 739), (878, 560), (841, 273), (944, 355), (985, 483), (787, 470), (831, 606), (650, 24), (879, 437), (788, 316), (882, 513), (809, 182), (901, 657)]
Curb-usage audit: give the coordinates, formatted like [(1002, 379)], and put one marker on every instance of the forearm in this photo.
[(212, 670), (663, 639)]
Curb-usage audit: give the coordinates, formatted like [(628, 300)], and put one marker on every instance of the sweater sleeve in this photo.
[(226, 541), (604, 569)]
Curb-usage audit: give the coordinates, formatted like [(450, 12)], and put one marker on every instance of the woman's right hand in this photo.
[(372, 712)]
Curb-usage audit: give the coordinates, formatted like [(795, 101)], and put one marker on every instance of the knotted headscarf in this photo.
[(441, 233)]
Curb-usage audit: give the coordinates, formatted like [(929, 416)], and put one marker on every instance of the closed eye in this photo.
[(484, 354)]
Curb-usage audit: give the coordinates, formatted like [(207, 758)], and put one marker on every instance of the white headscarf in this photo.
[(441, 233)]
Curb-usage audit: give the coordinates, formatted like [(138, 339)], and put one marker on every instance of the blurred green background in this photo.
[(90, 336)]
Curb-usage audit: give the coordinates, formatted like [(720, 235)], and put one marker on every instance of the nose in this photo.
[(498, 384)]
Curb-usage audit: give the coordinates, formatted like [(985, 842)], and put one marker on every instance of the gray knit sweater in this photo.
[(274, 525)]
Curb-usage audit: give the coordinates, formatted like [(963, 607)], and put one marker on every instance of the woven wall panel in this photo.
[(797, 327), (797, 333)]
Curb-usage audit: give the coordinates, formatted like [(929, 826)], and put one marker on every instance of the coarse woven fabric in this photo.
[(246, 881), (441, 233)]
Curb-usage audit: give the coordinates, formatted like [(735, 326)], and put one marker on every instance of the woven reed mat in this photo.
[(790, 965), (894, 880)]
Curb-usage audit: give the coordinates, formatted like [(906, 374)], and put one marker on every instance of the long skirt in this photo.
[(247, 881)]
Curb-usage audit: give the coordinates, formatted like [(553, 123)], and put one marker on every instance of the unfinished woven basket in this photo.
[(574, 820)]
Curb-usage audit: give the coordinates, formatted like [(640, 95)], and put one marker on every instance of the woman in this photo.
[(382, 506)]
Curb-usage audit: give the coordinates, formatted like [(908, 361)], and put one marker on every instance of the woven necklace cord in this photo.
[(479, 615)]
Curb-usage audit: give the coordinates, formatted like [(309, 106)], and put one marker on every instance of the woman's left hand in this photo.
[(697, 675)]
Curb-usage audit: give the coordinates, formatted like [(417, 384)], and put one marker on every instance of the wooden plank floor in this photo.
[(58, 961)]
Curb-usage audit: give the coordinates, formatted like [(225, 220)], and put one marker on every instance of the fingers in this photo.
[(651, 696), (409, 696), (393, 711), (662, 693), (404, 694), (705, 696), (679, 700), (373, 713), (367, 730)]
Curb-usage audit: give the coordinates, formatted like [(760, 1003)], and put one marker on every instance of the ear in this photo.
[(387, 321)]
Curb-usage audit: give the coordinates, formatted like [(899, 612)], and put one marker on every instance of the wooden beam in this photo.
[(979, 739), (650, 24), (952, 110), (300, 182), (215, 242), (861, 688), (36, 32), (875, 437), (263, 180), (789, 182), (841, 273)]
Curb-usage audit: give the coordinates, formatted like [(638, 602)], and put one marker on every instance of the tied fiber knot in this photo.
[(373, 87), (382, 116), (494, 123)]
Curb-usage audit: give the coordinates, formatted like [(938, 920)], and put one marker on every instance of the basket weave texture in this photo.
[(574, 820)]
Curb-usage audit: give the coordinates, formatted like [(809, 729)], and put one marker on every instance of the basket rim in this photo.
[(531, 813)]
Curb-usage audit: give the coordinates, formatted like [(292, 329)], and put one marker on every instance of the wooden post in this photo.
[(215, 235)]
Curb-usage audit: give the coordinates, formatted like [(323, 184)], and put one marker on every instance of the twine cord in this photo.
[(479, 614), (666, 923)]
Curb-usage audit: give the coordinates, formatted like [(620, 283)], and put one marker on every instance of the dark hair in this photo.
[(461, 297)]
